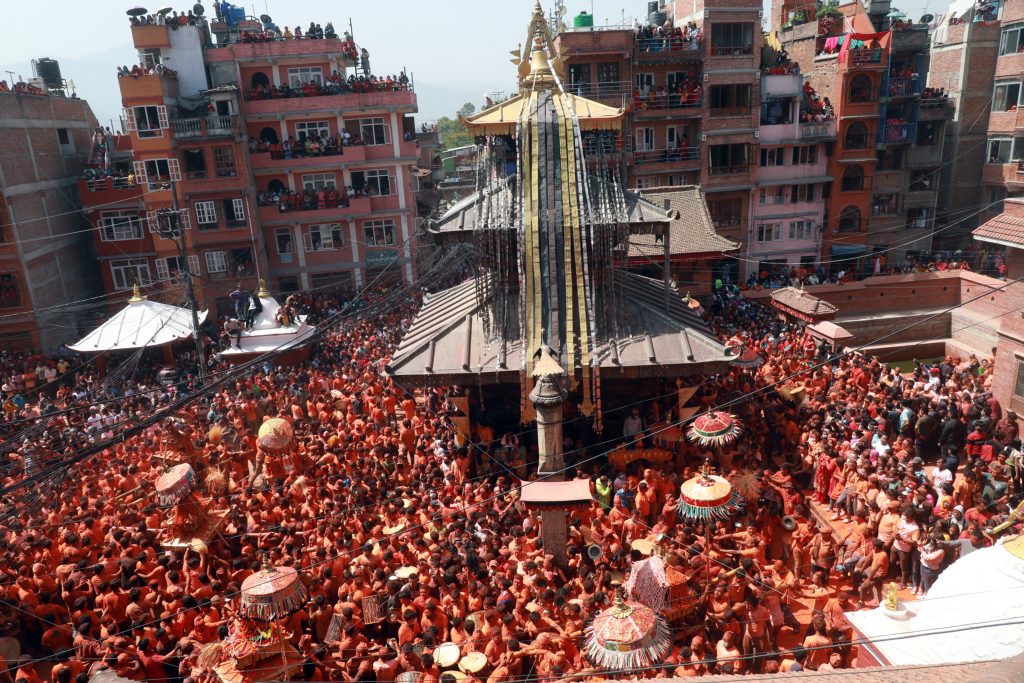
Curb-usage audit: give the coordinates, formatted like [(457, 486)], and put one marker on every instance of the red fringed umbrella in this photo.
[(714, 428), (626, 637), (707, 497), (175, 484), (272, 593)]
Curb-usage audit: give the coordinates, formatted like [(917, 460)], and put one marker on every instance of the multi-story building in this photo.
[(787, 207), (283, 168), (45, 249), (888, 153), (693, 101), (963, 61)]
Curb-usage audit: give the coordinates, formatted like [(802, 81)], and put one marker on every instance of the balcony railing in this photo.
[(729, 170), (329, 89), (901, 86), (677, 45), (732, 51), (662, 156), (598, 90), (1020, 167), (690, 100), (865, 56), (108, 183), (817, 129), (205, 126), (897, 134)]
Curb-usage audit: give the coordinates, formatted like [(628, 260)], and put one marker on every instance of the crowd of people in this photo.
[(911, 471), (145, 69), (169, 18), (22, 88), (327, 197), (669, 38), (335, 84), (686, 91)]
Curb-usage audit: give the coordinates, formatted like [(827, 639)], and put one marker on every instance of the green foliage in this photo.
[(451, 132), (829, 9)]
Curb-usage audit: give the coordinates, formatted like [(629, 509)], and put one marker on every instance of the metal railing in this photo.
[(661, 156), (674, 101), (865, 55), (598, 90), (732, 50), (675, 44), (205, 125), (728, 170), (108, 183), (897, 134), (818, 129), (901, 86)]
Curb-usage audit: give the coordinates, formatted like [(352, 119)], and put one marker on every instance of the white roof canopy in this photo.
[(141, 323)]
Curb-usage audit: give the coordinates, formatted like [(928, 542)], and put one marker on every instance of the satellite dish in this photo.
[(927, 19), (265, 18)]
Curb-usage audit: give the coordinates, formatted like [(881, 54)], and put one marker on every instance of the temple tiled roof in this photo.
[(691, 229), (803, 302)]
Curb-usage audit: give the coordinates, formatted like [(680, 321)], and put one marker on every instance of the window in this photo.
[(644, 82), (224, 162), (374, 131), (316, 129), (856, 136), (849, 219), (769, 232), (999, 150), (885, 204), (10, 297), (927, 132), (1018, 386), (776, 111), (195, 163), (803, 193), (805, 154), (206, 215), (732, 39), (174, 266), (1006, 96), (285, 246), (157, 172), (147, 122), (216, 262), (234, 212), (129, 272), (644, 139), (890, 160), (853, 179), (120, 225), (773, 156), (674, 79), (379, 233), (579, 74), (725, 212), (1012, 40), (732, 158), (378, 183), (860, 88), (918, 218), (772, 195), (323, 237), (301, 75), (62, 136), (801, 230), (996, 195), (317, 181), (731, 98), (608, 72)]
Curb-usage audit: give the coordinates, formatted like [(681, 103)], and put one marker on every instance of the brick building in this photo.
[(223, 127), (963, 62), (693, 103), (888, 152), (45, 248)]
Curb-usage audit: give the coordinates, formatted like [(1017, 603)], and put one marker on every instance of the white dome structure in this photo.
[(267, 335), (974, 612)]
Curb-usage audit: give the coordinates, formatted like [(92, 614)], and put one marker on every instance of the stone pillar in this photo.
[(547, 398)]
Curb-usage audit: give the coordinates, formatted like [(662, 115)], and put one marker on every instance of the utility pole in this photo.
[(169, 226)]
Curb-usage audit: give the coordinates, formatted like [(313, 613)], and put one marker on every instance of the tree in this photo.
[(450, 131)]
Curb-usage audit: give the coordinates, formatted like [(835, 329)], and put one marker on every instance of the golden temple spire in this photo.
[(262, 291), (136, 295), (539, 62)]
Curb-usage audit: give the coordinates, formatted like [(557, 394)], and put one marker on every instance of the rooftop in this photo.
[(1006, 229), (691, 230), (803, 301)]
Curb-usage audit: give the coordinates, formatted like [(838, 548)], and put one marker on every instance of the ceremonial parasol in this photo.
[(748, 485), (175, 484), (447, 655), (272, 593), (276, 434), (749, 358), (714, 428), (136, 11), (647, 583), (627, 636), (707, 497)]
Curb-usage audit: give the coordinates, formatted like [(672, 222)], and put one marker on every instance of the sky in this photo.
[(455, 50)]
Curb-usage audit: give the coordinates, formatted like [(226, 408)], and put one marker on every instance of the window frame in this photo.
[(805, 155), (801, 230), (106, 223), (728, 98), (1006, 105), (769, 232), (159, 117), (303, 128), (733, 165), (730, 38), (845, 186), (335, 238), (375, 174), (318, 181), (224, 168), (237, 216), (1018, 385), (1018, 29), (370, 232), (211, 262), (372, 122), (295, 74), (206, 209), (280, 232), (859, 80), (124, 265), (849, 211)]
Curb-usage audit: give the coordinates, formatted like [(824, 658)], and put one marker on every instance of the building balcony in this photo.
[(668, 106), (597, 42), (151, 87), (675, 49), (782, 85), (200, 183), (150, 36), (910, 39), (818, 130), (1008, 174), (279, 49), (272, 214), (865, 58), (614, 91), (655, 159), (108, 192), (897, 134), (888, 181), (921, 156), (895, 87), (937, 109), (205, 127), (918, 199), (277, 162), (382, 100)]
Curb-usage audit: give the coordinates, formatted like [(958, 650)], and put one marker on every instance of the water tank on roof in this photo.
[(657, 18), (49, 71), (653, 7), (583, 21)]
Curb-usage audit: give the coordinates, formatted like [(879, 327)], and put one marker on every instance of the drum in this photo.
[(175, 484), (474, 663), (409, 677), (644, 546), (447, 655), (406, 572)]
